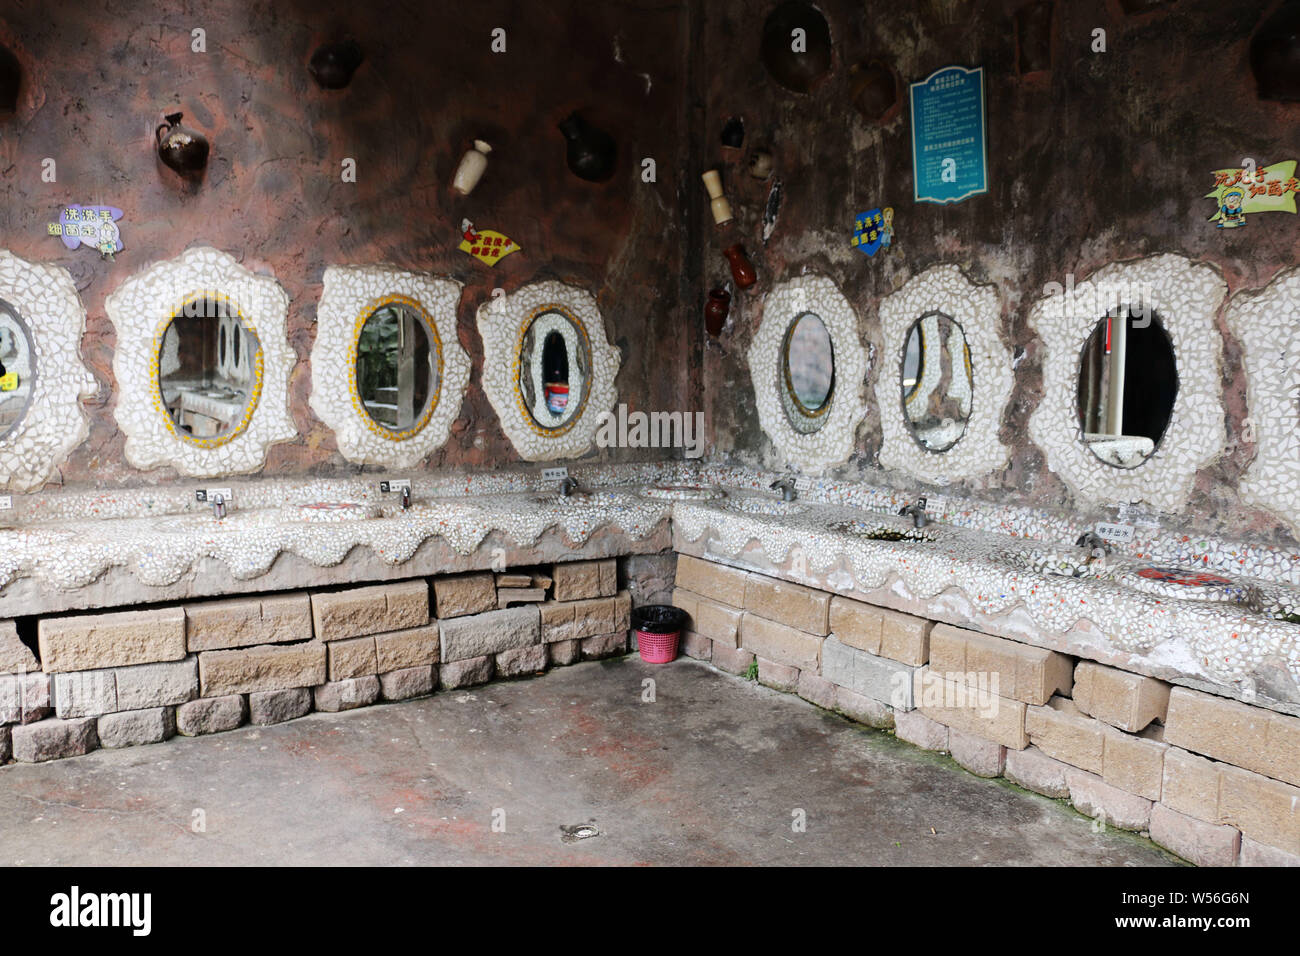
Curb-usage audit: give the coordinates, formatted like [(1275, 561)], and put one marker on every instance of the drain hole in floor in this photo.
[(578, 832)]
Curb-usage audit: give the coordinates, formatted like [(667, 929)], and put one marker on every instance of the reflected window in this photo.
[(207, 394), (398, 367), (1128, 380), (937, 381)]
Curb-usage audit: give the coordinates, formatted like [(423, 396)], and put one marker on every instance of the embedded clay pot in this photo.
[(873, 90), (333, 64), (1275, 55), (1034, 37), (715, 311), (760, 164), (590, 151), (799, 71), (742, 270), (11, 80), (471, 168), (181, 148), (733, 133)]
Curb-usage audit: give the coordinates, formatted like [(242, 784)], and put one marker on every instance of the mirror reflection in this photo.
[(554, 369), (937, 381), (397, 367), (207, 369), (808, 368), (1128, 379), (16, 364)]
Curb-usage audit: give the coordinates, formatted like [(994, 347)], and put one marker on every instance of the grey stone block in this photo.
[(877, 677), (130, 728), (145, 686), (523, 660), (476, 670), (347, 694), (211, 715), (6, 744), (85, 693), (490, 633), (24, 698), (407, 682), (266, 707), (54, 738)]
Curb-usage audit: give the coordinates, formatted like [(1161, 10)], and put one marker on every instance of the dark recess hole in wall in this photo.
[(27, 633)]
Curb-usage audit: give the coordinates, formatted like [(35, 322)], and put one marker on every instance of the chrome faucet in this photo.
[(568, 486), (786, 485), (916, 511), (219, 506), (1097, 545), (406, 497)]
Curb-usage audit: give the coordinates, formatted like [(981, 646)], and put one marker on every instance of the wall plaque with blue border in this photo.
[(949, 152)]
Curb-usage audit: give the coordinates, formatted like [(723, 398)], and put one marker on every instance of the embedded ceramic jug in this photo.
[(471, 168), (718, 204), (742, 270), (715, 311), (760, 164), (590, 151), (332, 65), (11, 78), (873, 90), (181, 148)]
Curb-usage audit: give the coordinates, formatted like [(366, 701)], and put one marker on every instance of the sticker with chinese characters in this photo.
[(93, 226), (485, 245), (873, 230), (1241, 191)]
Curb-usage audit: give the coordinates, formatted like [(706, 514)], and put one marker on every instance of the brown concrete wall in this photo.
[(100, 75), (1104, 158)]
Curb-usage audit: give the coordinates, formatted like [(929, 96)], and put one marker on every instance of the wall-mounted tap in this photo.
[(406, 497), (1097, 546), (219, 506), (786, 486), (568, 486), (916, 511)]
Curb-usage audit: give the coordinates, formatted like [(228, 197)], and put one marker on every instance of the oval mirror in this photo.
[(1128, 380), (937, 381), (206, 397), (398, 368), (808, 371), (554, 369), (17, 368)]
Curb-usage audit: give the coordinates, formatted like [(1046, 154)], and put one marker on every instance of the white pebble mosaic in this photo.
[(140, 310), (977, 309), (832, 442), (350, 295), (54, 423), (1267, 324)]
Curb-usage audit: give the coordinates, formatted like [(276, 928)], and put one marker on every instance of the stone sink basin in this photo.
[(330, 511), (1057, 562), (1190, 585), (765, 506), (883, 529), (683, 492), (580, 499)]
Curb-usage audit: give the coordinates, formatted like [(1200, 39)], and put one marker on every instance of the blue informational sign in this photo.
[(949, 153)]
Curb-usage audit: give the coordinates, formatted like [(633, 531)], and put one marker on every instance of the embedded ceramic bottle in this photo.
[(742, 270), (332, 65), (181, 149), (717, 202), (471, 168), (715, 311), (590, 151)]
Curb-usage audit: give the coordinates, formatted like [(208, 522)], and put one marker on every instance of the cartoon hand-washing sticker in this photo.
[(873, 230), (485, 245), (1240, 191)]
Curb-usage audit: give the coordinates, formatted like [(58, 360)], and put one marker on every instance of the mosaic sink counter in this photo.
[(1233, 636)]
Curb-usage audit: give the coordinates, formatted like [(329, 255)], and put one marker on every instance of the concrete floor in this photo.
[(710, 773)]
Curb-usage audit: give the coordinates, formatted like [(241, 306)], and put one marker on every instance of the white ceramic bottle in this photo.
[(718, 204), (471, 168)]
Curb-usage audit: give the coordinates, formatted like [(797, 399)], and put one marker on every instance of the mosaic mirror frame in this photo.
[(142, 308), (504, 322), (1186, 296), (53, 422), (977, 310), (351, 295), (832, 442)]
